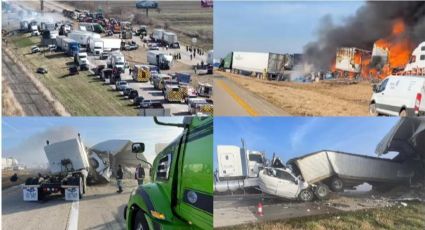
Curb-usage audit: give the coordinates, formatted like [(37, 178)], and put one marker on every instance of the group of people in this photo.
[(139, 175)]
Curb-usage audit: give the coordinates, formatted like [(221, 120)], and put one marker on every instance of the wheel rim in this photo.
[(321, 191), (372, 109), (305, 195), (337, 184)]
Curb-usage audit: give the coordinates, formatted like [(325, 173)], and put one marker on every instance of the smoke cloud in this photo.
[(31, 150), (371, 22)]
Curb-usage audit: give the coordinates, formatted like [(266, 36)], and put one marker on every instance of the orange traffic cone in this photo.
[(260, 209)]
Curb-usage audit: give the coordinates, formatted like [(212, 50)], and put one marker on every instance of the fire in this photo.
[(396, 50)]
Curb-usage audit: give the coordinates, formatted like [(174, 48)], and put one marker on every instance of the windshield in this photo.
[(256, 158)]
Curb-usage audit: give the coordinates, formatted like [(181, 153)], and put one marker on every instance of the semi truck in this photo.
[(116, 60), (180, 195), (111, 44), (160, 59), (238, 168), (68, 45), (96, 46), (83, 37), (69, 169), (351, 61), (313, 174), (157, 35), (261, 65), (170, 39)]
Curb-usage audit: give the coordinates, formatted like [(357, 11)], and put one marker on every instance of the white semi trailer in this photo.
[(83, 37)]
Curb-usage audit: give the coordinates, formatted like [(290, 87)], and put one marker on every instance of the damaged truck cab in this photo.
[(180, 195)]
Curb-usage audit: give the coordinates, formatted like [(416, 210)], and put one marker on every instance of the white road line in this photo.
[(73, 216)]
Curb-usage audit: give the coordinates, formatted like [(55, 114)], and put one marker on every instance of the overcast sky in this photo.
[(24, 137), (273, 26), (291, 137)]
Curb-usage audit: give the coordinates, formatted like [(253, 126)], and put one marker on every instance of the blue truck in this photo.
[(67, 45)]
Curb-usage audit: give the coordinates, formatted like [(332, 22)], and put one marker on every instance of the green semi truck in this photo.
[(180, 195)]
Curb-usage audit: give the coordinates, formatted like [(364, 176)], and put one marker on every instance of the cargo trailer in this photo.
[(83, 37)]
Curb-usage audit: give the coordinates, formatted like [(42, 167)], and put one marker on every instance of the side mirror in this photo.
[(375, 88), (138, 147)]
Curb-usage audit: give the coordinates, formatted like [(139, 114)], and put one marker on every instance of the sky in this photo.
[(24, 137), (291, 137), (273, 26)]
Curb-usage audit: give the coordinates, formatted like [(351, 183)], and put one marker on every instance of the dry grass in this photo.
[(11, 106), (398, 217), (310, 99)]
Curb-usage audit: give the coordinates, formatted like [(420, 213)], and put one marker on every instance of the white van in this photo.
[(399, 96)]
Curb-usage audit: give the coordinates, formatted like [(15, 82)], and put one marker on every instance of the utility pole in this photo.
[(42, 6)]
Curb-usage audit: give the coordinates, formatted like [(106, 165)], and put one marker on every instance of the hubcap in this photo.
[(337, 184), (321, 191)]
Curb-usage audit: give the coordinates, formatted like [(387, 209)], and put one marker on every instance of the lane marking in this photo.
[(73, 216), (238, 99)]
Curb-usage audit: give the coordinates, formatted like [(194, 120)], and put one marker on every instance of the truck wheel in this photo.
[(372, 109), (321, 191), (337, 185), (306, 195), (81, 190), (140, 222)]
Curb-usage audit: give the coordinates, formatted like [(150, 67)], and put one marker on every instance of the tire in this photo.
[(322, 191), (372, 109), (306, 195), (140, 222), (403, 113), (337, 185), (81, 186)]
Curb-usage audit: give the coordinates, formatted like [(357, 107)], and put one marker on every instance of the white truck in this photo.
[(81, 60), (250, 62), (312, 175), (116, 60), (96, 46), (68, 166), (157, 35), (238, 168), (83, 37), (171, 40), (402, 95), (111, 44), (160, 59)]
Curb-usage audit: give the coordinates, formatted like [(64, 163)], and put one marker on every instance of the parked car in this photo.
[(133, 94), (138, 100), (104, 55), (52, 47), (35, 49), (41, 70), (73, 70), (399, 96), (121, 85), (146, 103), (127, 91)]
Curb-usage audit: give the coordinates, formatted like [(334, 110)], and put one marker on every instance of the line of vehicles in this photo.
[(316, 174)]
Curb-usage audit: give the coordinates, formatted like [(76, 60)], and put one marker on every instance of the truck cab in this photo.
[(81, 60), (180, 195), (417, 60)]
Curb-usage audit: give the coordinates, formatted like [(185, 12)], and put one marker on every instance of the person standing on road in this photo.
[(140, 174), (119, 179)]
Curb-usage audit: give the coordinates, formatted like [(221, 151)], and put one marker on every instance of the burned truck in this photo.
[(316, 173), (352, 62)]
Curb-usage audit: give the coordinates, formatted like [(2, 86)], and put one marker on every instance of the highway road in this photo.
[(231, 99), (27, 94), (101, 208)]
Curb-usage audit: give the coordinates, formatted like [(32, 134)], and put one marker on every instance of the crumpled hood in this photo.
[(407, 137)]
